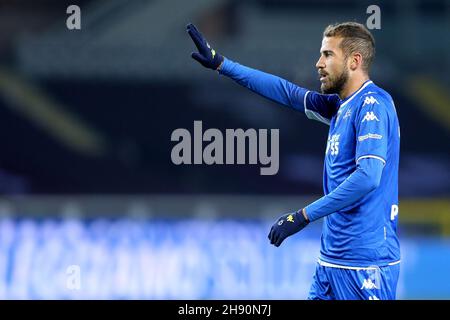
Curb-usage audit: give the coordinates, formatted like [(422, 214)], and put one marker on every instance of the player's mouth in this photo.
[(322, 77)]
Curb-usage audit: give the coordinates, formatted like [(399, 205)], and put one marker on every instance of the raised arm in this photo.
[(316, 106), (265, 84)]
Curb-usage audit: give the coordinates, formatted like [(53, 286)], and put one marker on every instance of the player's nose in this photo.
[(320, 63)]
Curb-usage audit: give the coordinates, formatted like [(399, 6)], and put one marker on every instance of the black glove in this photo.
[(287, 225), (206, 55)]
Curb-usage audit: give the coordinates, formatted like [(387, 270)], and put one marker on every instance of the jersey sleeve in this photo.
[(320, 107), (372, 129), (364, 179)]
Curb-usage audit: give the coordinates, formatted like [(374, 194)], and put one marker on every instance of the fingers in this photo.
[(197, 37), (270, 234), (197, 56), (274, 237), (191, 26), (278, 241)]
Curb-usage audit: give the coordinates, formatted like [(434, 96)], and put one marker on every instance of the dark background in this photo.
[(120, 86), (89, 194)]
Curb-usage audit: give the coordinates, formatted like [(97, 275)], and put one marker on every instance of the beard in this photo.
[(335, 84)]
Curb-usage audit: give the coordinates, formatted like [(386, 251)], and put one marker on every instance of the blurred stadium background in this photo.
[(92, 206)]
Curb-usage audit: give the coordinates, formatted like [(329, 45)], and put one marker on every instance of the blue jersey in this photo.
[(364, 125), (359, 229)]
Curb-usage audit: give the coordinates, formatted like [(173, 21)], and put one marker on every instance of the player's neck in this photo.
[(353, 85)]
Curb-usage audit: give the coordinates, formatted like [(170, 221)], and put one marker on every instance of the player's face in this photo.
[(332, 66)]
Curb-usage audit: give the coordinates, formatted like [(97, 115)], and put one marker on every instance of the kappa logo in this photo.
[(370, 116), (347, 114), (370, 100), (368, 284), (373, 298), (290, 218)]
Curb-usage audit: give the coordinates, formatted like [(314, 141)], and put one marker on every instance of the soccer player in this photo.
[(360, 254)]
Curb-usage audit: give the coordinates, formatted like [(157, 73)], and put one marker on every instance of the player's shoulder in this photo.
[(374, 97)]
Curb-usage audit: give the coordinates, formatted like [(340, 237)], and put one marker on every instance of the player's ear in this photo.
[(355, 61)]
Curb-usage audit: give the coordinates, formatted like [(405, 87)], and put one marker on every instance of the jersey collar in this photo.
[(349, 98)]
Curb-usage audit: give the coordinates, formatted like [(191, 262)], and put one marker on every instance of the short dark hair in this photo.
[(355, 38)]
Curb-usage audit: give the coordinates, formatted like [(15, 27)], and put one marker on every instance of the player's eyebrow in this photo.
[(326, 52)]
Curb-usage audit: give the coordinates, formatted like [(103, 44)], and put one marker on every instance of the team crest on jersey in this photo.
[(347, 114)]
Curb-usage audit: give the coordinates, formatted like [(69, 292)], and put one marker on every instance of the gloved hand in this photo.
[(287, 225), (206, 55)]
